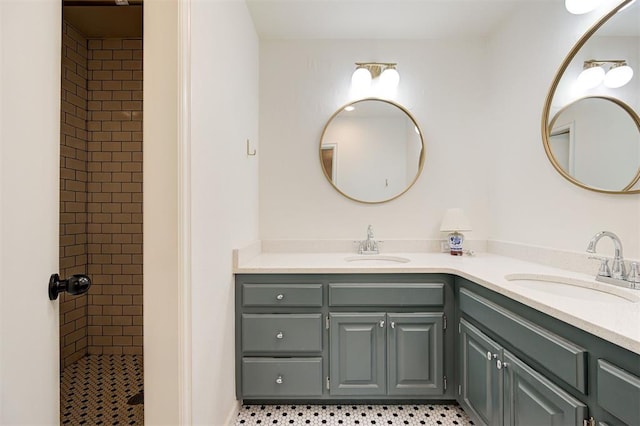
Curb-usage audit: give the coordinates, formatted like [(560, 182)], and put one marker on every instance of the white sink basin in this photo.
[(572, 288), (376, 260)]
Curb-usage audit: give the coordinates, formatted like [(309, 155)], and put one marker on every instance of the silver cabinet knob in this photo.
[(280, 335), (393, 324), (280, 296), (382, 324), (279, 380), (500, 365), (489, 355)]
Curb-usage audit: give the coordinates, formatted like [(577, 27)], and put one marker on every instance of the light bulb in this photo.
[(590, 77), (390, 78), (361, 79), (578, 7), (618, 76)]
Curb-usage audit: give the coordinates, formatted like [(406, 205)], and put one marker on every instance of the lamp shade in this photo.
[(361, 78), (618, 76), (455, 220), (590, 77), (390, 78), (578, 7)]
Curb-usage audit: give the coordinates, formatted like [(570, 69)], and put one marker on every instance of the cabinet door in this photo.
[(415, 352), (531, 399), (480, 380), (357, 354)]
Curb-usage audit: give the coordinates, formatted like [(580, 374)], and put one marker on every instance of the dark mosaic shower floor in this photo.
[(343, 415), (95, 391)]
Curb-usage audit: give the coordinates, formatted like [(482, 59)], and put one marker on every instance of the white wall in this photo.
[(303, 82), (531, 203), (224, 71)]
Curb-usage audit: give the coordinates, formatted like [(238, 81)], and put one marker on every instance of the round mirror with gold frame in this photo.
[(591, 135), (372, 150)]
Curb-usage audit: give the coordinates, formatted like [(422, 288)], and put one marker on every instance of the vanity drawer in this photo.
[(563, 358), (282, 295), (619, 392), (281, 333), (386, 294), (281, 377)]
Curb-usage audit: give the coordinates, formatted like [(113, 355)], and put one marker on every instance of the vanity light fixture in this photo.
[(619, 73), (454, 221), (579, 7), (367, 71)]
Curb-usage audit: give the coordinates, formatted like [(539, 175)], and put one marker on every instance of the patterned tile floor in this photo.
[(347, 415), (95, 391)]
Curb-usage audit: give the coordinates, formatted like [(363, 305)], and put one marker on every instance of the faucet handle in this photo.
[(604, 270), (634, 274)]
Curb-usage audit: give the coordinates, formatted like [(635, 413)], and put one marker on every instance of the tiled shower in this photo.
[(101, 197)]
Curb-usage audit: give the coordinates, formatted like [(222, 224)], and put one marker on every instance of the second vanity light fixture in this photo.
[(386, 73), (619, 73)]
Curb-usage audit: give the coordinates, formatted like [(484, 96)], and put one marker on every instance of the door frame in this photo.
[(167, 228)]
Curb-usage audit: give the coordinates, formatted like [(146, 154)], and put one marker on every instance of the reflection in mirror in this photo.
[(372, 150), (616, 37), (581, 144)]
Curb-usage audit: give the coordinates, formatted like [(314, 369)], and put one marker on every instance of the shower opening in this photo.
[(101, 200)]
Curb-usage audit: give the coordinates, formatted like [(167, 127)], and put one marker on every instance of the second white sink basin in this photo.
[(572, 288), (376, 260)]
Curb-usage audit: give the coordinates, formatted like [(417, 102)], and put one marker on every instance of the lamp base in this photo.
[(455, 243)]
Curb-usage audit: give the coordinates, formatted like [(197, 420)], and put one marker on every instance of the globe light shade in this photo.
[(590, 77), (390, 78), (361, 79), (618, 76), (579, 7)]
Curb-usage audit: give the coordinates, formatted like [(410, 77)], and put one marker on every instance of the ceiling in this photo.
[(338, 19), (380, 19), (104, 19)]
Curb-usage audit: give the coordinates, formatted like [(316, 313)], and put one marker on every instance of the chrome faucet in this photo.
[(617, 274), (618, 271), (370, 245)]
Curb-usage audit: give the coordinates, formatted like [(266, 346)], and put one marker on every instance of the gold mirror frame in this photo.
[(547, 125), (420, 163)]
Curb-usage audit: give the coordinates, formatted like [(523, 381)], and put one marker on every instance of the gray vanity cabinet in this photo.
[(386, 354), (343, 336), (500, 389), (517, 365)]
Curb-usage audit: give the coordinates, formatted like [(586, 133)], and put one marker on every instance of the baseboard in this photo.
[(233, 414)]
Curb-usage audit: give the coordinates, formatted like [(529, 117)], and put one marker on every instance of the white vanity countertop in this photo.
[(616, 322)]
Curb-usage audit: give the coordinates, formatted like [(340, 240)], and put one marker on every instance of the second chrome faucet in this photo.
[(617, 274)]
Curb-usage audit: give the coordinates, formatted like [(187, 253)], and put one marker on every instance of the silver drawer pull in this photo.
[(280, 335), (280, 296), (279, 380)]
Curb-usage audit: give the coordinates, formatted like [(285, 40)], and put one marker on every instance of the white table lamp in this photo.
[(454, 221)]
